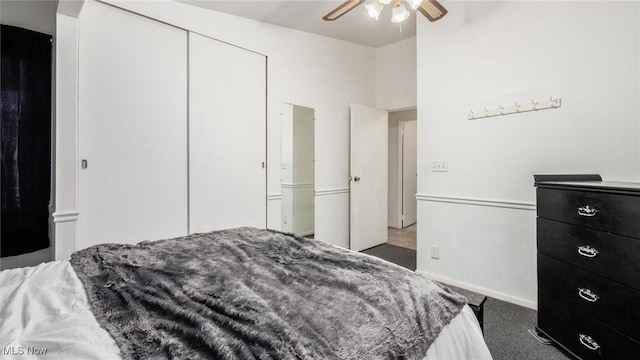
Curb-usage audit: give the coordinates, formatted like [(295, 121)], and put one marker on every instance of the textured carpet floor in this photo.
[(395, 254), (505, 331), (505, 325)]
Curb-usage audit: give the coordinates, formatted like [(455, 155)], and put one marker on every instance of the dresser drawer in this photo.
[(582, 335), (612, 256), (615, 305), (618, 214)]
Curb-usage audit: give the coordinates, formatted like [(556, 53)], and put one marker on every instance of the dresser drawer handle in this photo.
[(588, 295), (587, 211), (587, 251), (588, 342)]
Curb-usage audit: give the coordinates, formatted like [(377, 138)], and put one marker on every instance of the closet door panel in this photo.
[(132, 128), (227, 136)]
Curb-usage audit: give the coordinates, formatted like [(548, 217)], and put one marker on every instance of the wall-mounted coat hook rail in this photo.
[(516, 107)]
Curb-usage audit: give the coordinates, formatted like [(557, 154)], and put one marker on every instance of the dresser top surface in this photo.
[(592, 185)]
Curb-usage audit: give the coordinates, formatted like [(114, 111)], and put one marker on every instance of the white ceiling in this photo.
[(306, 15)]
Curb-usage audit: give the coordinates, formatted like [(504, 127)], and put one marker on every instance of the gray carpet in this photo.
[(505, 324), (395, 254), (505, 331)]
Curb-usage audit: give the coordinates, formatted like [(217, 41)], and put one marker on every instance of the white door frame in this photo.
[(401, 143)]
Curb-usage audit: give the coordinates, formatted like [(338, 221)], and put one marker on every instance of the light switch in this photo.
[(439, 166)]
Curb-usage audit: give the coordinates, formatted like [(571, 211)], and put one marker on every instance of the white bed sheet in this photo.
[(45, 308), (460, 340)]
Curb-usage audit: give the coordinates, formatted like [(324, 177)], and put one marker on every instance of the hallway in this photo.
[(405, 238)]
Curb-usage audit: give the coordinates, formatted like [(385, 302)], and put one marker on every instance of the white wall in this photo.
[(298, 176), (66, 213), (480, 212), (33, 15), (303, 171), (305, 69), (396, 74), (286, 174), (396, 90)]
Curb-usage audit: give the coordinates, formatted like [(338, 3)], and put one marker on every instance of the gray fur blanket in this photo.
[(259, 294)]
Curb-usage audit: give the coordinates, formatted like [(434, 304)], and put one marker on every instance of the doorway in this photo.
[(400, 244), (27, 155), (403, 178)]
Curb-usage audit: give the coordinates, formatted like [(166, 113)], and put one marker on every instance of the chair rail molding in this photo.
[(519, 205), (65, 216), (297, 186), (332, 191)]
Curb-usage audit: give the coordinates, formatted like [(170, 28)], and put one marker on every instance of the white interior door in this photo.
[(369, 177), (227, 136), (132, 128), (409, 172)]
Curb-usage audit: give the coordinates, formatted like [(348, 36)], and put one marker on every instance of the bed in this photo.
[(231, 294)]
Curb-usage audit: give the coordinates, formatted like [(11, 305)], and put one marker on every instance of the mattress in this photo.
[(44, 310)]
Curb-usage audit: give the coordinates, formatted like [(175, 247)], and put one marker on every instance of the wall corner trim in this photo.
[(478, 202), (70, 8)]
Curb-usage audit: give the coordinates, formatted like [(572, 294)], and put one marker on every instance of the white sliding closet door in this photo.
[(132, 128), (227, 136)]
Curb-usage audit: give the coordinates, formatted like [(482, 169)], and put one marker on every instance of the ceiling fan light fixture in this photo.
[(414, 3), (342, 9), (399, 13), (432, 10), (374, 8)]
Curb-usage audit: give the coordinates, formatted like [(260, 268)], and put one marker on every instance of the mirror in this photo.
[(298, 170)]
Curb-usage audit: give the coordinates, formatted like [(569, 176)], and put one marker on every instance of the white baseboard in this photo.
[(488, 292)]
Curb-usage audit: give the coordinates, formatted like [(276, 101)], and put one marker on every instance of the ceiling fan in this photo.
[(431, 9)]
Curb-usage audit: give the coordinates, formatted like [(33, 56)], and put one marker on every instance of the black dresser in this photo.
[(588, 233)]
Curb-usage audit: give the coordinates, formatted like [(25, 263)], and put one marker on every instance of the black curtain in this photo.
[(26, 140)]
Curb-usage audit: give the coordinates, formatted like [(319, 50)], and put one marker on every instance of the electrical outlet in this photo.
[(284, 219), (439, 166), (435, 252)]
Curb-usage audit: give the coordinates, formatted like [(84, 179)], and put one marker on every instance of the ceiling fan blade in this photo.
[(342, 9), (432, 10)]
